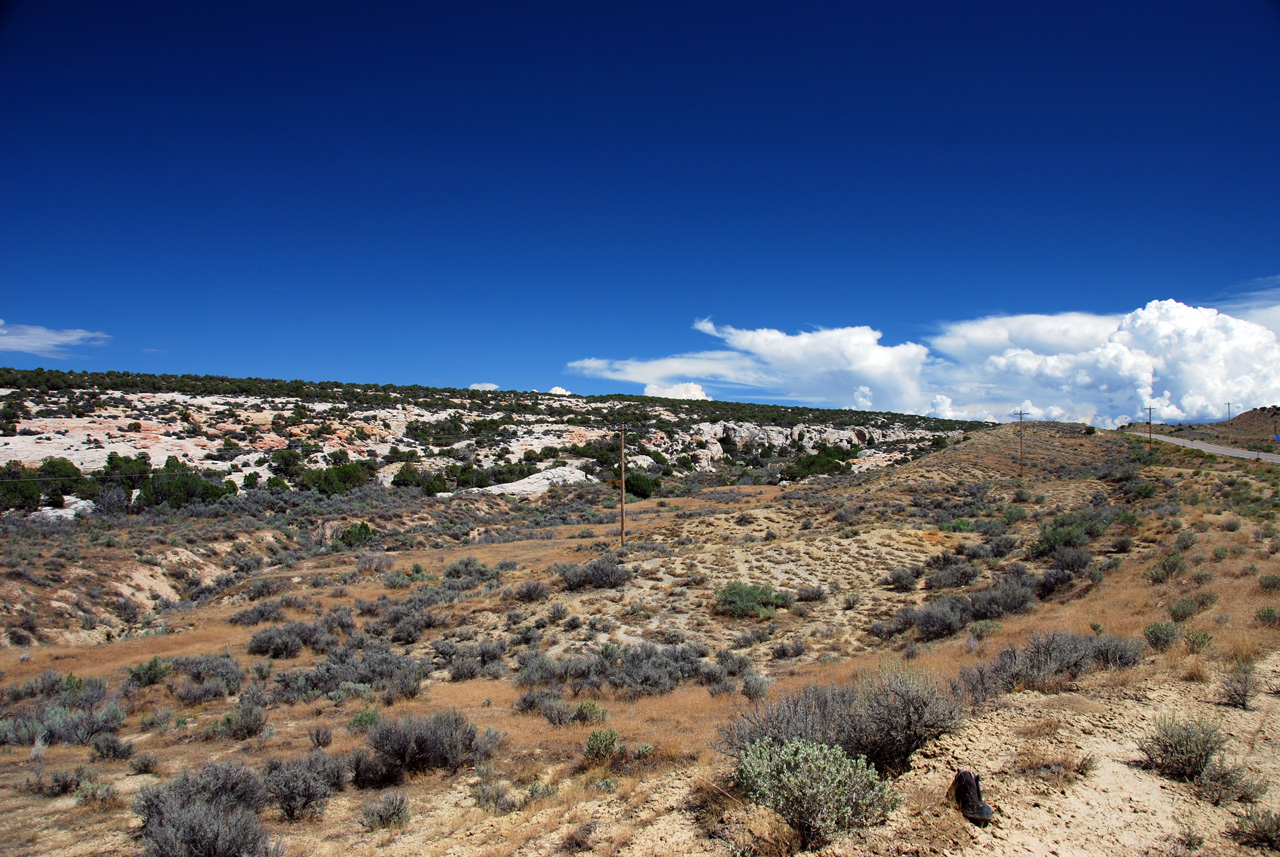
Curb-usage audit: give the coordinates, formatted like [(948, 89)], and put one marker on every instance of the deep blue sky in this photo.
[(449, 193)]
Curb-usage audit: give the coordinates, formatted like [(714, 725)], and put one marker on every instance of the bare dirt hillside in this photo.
[(1062, 603)]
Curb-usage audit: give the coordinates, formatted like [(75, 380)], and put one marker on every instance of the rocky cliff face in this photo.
[(236, 435)]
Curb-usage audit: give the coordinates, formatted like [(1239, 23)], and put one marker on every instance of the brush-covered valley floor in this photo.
[(867, 573)]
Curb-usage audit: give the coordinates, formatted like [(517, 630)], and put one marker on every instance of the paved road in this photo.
[(1212, 447)]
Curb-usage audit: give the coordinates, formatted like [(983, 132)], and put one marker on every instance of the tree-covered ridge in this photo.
[(615, 408)]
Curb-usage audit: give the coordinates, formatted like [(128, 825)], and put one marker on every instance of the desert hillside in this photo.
[(379, 671), (1255, 429)]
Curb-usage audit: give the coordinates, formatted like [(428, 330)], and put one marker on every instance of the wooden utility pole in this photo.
[(1021, 414), (1149, 410), (622, 461)]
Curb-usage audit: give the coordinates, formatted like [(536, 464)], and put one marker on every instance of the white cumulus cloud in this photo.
[(43, 341), (559, 391), (1260, 303), (483, 385), (1185, 362), (685, 390)]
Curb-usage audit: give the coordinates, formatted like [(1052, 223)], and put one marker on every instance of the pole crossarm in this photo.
[(1020, 414)]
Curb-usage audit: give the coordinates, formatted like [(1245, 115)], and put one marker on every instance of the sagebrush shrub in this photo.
[(819, 790), (1221, 783), (531, 590), (1197, 641), (1239, 686), (940, 618), (297, 789), (1182, 749), (1009, 594), (1168, 567), (789, 649), (755, 686), (1052, 580), (603, 572), (276, 642), (740, 600), (149, 672), (334, 771), (445, 739), (1072, 559), (208, 812), (1260, 828), (250, 717), (952, 575), (904, 579), (371, 772), (884, 717), (811, 593), (589, 711), (145, 763), (111, 747), (391, 810), (601, 745), (203, 669), (1161, 635)]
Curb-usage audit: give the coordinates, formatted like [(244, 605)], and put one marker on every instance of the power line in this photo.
[(1021, 413), (622, 460)]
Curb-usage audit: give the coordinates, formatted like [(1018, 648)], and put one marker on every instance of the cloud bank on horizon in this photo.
[(1184, 362)]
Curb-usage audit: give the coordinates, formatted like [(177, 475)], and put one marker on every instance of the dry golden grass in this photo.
[(1057, 766), (1195, 670), (1042, 727)]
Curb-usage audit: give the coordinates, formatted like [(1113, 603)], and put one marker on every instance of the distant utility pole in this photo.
[(1229, 404), (1149, 410), (1021, 414), (622, 458)]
